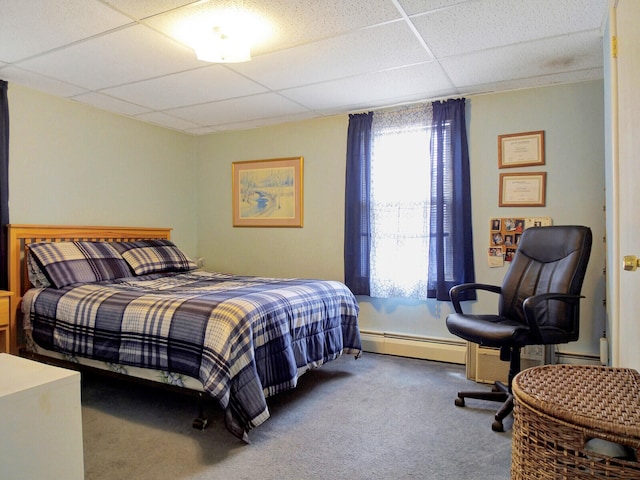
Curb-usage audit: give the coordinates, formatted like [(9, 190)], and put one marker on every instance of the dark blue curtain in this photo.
[(4, 182), (451, 246), (357, 238)]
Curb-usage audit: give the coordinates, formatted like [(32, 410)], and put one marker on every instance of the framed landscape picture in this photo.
[(268, 193)]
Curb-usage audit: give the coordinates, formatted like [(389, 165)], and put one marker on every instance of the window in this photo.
[(408, 202), (400, 203)]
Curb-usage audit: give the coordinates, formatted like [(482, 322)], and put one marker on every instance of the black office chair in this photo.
[(539, 303)]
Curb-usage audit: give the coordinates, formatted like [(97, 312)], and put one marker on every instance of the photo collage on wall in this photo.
[(505, 235)]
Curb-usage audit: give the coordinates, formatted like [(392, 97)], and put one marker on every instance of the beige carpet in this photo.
[(378, 417)]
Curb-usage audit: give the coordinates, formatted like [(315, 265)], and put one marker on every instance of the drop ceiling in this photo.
[(322, 57)]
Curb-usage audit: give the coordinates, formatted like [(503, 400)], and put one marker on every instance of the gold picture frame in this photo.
[(268, 193), (521, 149), (526, 189)]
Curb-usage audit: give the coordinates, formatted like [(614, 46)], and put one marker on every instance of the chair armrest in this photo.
[(530, 305), (454, 292)]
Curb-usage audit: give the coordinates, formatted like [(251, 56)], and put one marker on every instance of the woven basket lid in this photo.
[(596, 397)]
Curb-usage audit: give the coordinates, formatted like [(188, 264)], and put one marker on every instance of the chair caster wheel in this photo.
[(497, 426), (459, 402), (200, 423)]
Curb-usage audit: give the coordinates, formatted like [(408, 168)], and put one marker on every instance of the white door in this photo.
[(622, 80)]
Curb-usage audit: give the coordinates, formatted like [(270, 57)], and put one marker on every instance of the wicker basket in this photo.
[(559, 409)]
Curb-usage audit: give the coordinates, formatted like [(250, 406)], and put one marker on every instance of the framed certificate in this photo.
[(521, 149), (523, 189)]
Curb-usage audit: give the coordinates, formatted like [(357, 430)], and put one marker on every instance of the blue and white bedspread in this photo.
[(244, 338)]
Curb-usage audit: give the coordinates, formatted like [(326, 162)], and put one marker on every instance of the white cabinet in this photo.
[(40, 421)]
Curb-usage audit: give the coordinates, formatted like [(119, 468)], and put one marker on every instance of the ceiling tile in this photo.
[(123, 56), (413, 83), (192, 87), (140, 9), (369, 50), (202, 130), (478, 25), (109, 103), (262, 122), (300, 22), (545, 57), (51, 24), (532, 82), (412, 7), (168, 121), (239, 109), (39, 82)]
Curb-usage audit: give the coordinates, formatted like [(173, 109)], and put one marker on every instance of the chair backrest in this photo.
[(548, 260)]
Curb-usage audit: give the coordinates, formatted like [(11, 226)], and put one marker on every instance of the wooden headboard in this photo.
[(20, 236)]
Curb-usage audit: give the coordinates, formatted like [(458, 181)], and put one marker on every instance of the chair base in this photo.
[(499, 393)]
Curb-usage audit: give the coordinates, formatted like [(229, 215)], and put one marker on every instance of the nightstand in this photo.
[(5, 316)]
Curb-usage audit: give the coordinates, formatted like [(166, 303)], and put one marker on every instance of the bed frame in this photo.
[(19, 238)]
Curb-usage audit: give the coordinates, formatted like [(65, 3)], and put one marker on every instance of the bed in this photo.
[(129, 302)]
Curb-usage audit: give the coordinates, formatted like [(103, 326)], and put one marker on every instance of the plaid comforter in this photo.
[(244, 338)]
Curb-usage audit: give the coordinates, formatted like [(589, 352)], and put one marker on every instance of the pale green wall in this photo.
[(571, 116), (70, 164), (312, 251)]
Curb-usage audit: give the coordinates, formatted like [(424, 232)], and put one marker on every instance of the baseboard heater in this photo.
[(414, 346), (440, 349)]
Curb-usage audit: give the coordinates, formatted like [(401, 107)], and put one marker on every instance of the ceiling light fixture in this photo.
[(222, 45), (222, 34)]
